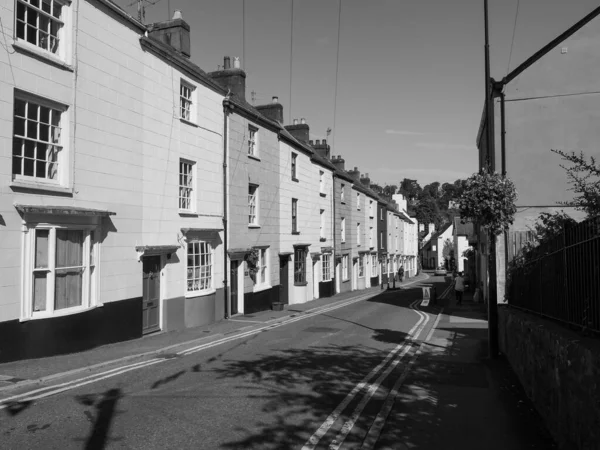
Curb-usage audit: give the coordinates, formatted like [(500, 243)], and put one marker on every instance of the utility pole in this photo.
[(140, 7), (493, 291)]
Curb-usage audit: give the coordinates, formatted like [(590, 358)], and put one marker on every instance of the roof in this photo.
[(441, 231), (171, 55), (285, 134), (250, 110), (463, 229)]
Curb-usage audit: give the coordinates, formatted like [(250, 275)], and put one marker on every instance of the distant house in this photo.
[(550, 101), (463, 237), (433, 250)]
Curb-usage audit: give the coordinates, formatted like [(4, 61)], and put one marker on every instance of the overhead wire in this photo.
[(337, 69), (513, 36), (291, 61)]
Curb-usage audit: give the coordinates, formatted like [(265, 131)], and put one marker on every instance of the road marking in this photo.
[(374, 432), (26, 396), (332, 418), (349, 424), (245, 321), (58, 388)]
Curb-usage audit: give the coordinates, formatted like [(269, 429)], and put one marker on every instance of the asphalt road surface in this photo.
[(314, 383)]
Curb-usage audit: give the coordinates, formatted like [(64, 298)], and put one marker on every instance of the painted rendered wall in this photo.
[(262, 171)]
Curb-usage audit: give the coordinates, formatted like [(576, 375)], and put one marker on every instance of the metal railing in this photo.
[(560, 279)]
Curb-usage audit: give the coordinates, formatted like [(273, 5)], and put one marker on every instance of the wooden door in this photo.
[(151, 295), (234, 287), (284, 279)]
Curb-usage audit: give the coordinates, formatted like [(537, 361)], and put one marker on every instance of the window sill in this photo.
[(295, 233), (24, 46), (322, 194), (200, 293), (343, 202), (323, 239), (256, 158), (184, 213), (304, 283), (346, 281), (252, 226), (40, 186), (295, 179), (188, 122), (61, 313)]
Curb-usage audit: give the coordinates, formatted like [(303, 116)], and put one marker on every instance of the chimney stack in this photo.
[(322, 148), (355, 174), (273, 110), (175, 33), (233, 79), (300, 131), (338, 162), (366, 181)]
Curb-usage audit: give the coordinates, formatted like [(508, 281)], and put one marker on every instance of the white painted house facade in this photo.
[(104, 230)]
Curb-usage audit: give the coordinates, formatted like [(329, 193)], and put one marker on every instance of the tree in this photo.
[(390, 190), (584, 176), (489, 200), (410, 189), (547, 227)]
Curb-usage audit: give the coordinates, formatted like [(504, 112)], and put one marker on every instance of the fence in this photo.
[(561, 278)]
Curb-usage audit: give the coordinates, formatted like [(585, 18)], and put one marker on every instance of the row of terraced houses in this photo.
[(140, 193)]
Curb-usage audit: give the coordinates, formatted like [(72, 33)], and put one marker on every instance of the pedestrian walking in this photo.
[(401, 273), (459, 288)]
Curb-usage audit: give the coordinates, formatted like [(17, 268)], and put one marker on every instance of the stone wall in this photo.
[(560, 372)]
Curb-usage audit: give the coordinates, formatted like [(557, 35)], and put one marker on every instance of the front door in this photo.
[(283, 279), (234, 286), (151, 293)]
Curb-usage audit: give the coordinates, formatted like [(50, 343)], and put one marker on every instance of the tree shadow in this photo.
[(298, 388), (105, 406), (15, 408)]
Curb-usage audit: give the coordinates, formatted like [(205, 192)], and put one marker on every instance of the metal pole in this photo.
[(493, 293)]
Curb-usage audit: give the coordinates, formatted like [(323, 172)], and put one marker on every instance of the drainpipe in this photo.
[(503, 155), (226, 110), (334, 234)]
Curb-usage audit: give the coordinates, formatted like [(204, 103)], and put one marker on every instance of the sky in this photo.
[(410, 73)]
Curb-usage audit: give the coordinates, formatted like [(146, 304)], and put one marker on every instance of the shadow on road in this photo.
[(105, 406)]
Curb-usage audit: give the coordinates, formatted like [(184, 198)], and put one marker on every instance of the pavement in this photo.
[(25, 373), (456, 397)]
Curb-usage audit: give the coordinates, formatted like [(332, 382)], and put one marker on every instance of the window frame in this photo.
[(326, 267), (192, 174), (345, 267), (256, 197), (263, 275), (63, 54), (374, 266), (342, 193), (210, 256), (343, 230), (358, 201), (184, 84), (253, 140), (361, 266), (294, 215), (358, 234), (294, 166), (322, 224), (90, 270), (63, 159), (321, 182), (300, 266)]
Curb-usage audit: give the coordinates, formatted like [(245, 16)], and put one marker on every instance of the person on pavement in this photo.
[(401, 273), (459, 288)]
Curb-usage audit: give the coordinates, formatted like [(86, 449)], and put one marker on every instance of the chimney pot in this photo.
[(275, 99), (317, 142), (324, 141), (310, 142), (295, 121), (303, 120), (226, 63), (236, 62), (177, 14), (356, 169)]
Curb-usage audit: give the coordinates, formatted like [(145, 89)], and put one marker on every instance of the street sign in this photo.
[(426, 296)]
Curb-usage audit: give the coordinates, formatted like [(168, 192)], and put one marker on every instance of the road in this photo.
[(315, 383)]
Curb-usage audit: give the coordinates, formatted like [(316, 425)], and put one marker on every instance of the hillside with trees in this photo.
[(432, 203)]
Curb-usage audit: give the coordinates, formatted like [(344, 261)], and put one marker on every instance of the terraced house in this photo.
[(253, 195), (105, 232)]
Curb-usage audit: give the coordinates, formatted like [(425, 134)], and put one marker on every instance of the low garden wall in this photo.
[(560, 372)]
